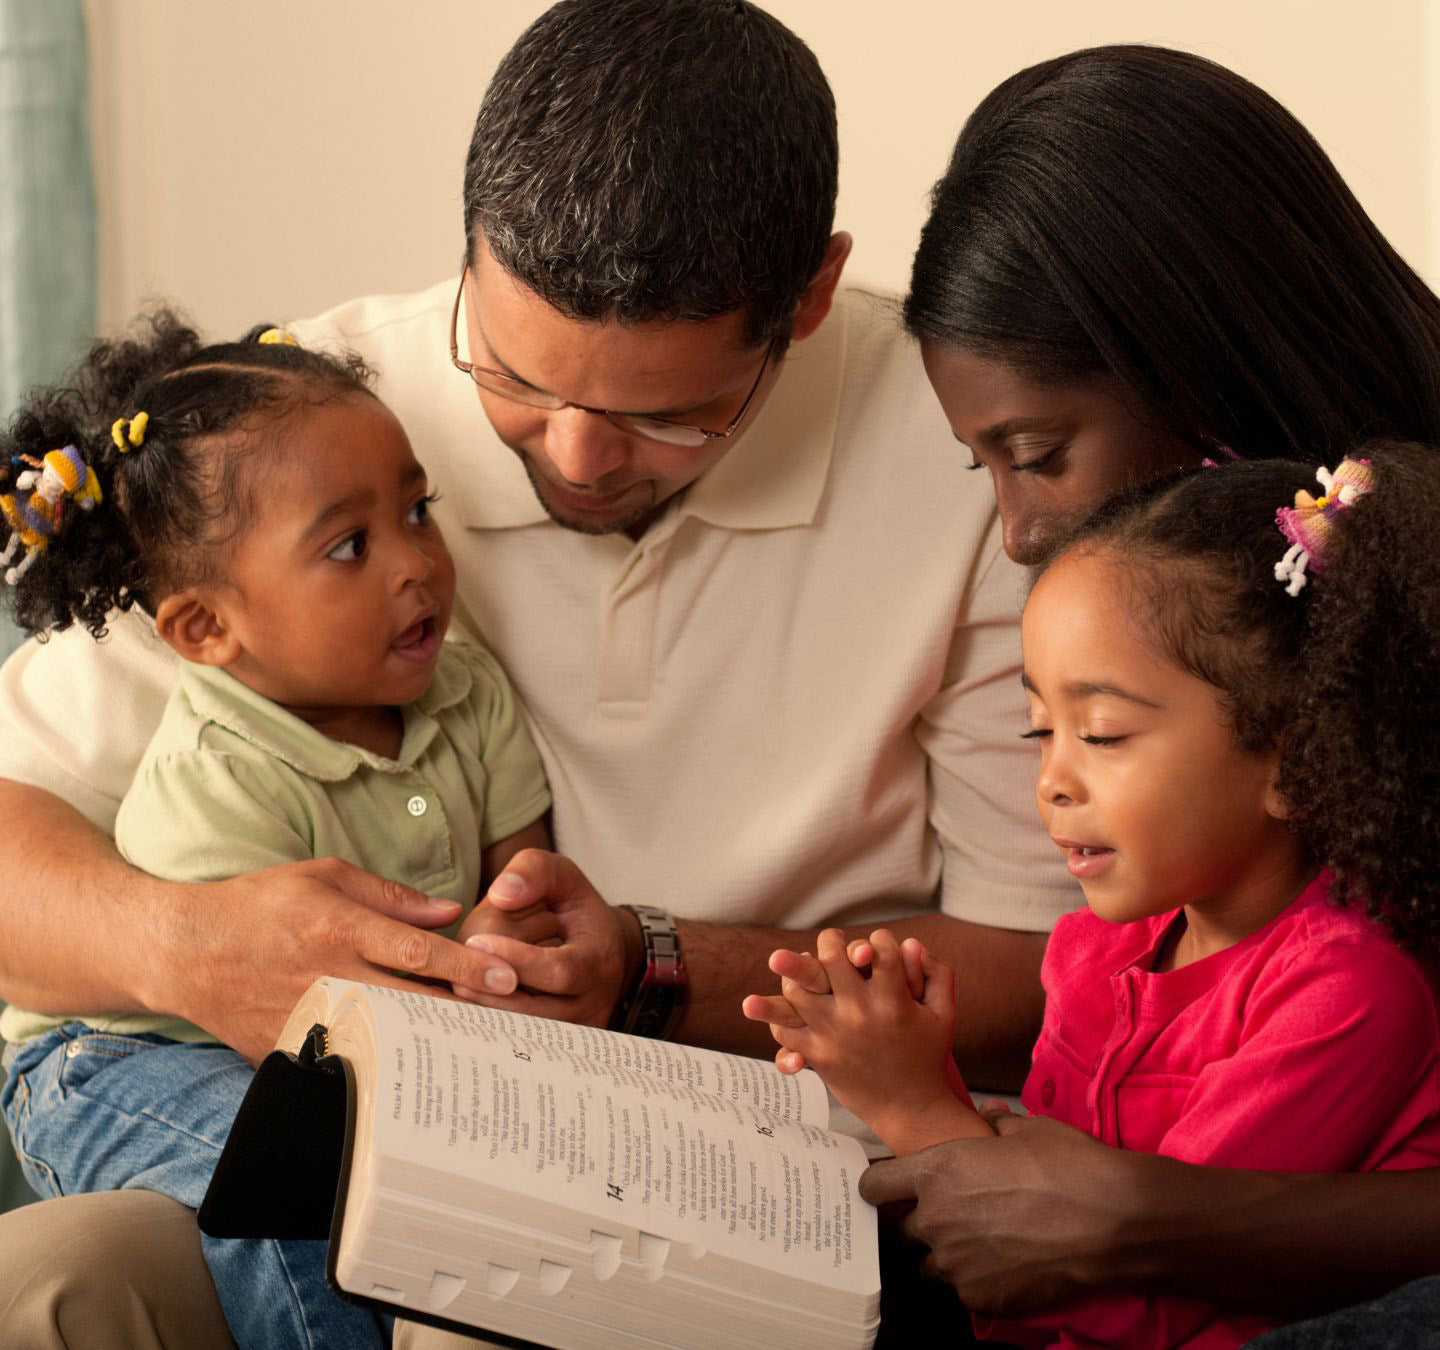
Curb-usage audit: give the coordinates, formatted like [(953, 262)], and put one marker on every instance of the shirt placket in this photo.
[(627, 650), (1123, 1048), (426, 829)]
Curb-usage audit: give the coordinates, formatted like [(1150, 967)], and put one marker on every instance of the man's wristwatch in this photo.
[(653, 1006)]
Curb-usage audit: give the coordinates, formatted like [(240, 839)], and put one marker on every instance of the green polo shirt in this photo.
[(232, 783)]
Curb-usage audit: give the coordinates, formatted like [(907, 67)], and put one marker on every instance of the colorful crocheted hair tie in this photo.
[(280, 335), (1310, 524), (128, 433), (33, 511)]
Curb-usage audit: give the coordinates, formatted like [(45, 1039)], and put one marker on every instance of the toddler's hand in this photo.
[(534, 924)]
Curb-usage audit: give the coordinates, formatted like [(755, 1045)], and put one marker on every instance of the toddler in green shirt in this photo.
[(265, 509)]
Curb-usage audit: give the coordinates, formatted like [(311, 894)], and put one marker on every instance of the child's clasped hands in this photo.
[(876, 1019)]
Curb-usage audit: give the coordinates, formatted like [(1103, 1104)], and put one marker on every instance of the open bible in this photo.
[(551, 1184)]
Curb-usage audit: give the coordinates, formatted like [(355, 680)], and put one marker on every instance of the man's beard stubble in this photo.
[(619, 526)]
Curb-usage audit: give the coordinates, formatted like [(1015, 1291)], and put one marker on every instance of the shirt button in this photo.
[(1047, 1093), (417, 806)]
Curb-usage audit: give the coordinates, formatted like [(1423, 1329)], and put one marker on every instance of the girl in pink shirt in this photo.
[(1233, 685)]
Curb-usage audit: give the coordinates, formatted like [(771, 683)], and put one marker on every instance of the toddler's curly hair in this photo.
[(174, 503)]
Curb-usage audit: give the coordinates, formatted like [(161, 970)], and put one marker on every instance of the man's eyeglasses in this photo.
[(653, 428)]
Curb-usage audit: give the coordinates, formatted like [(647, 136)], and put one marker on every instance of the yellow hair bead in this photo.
[(271, 335), (128, 432)]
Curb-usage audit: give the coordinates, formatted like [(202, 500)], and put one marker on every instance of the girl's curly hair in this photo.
[(172, 504), (1342, 678)]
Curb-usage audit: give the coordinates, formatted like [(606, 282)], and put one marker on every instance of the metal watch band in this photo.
[(653, 1006)]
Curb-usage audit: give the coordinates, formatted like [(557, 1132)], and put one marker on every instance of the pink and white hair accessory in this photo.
[(1311, 522)]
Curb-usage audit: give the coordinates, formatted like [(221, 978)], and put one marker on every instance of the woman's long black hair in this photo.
[(1149, 214)]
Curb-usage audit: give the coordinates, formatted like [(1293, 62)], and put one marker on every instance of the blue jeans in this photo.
[(96, 1111), (1406, 1319)]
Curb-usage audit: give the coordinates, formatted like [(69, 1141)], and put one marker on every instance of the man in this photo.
[(714, 528)]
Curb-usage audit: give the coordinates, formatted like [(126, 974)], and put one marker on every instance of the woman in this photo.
[(1136, 260), (1146, 226)]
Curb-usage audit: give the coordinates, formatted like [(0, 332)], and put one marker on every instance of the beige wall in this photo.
[(265, 159)]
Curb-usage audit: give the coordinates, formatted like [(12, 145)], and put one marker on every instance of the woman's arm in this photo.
[(1046, 1213), (1334, 1073)]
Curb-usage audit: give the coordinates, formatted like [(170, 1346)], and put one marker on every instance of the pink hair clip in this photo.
[(1309, 524)]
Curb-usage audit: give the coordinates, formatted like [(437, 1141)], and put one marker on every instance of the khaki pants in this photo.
[(122, 1270)]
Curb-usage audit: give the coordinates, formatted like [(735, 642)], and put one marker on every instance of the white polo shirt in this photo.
[(794, 701)]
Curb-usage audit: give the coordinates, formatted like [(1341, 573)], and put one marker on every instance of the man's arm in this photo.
[(997, 984), (997, 972), (1046, 1213), (69, 909), (86, 932)]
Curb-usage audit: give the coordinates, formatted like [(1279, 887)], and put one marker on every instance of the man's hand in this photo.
[(1016, 1224), (579, 980), (256, 942)]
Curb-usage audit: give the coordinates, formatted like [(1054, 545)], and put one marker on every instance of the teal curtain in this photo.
[(47, 235)]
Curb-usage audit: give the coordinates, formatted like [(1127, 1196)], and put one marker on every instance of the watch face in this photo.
[(656, 1021), (654, 1005)]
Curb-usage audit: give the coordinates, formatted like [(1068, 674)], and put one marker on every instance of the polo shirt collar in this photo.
[(218, 697), (771, 478), (774, 476)]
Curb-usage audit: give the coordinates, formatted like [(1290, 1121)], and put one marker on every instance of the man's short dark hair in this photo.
[(657, 159)]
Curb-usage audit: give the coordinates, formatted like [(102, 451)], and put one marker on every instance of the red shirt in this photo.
[(1310, 1046)]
